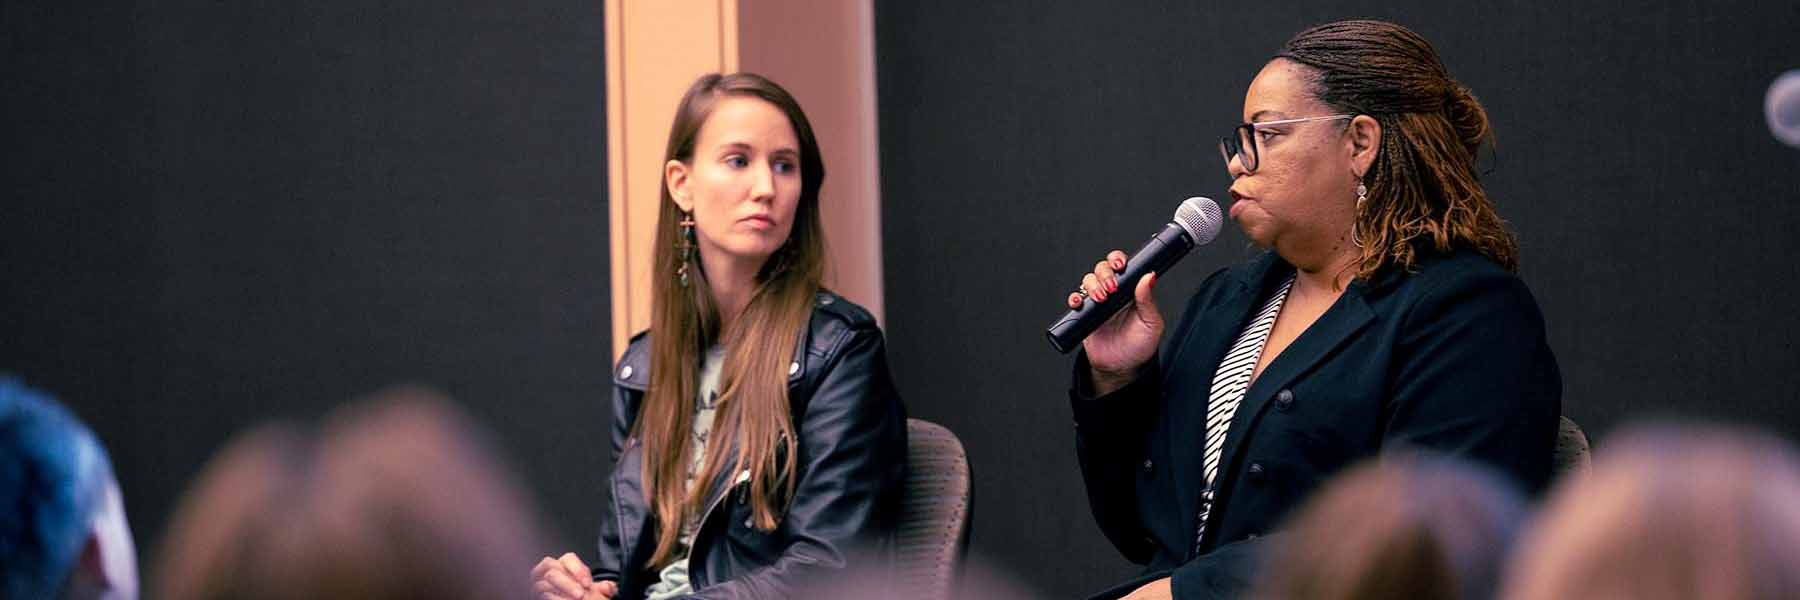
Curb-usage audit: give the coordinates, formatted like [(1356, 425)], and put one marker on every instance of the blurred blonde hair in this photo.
[(1403, 526), (1670, 512), (396, 497)]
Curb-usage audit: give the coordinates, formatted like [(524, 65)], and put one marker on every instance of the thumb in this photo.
[(1146, 300)]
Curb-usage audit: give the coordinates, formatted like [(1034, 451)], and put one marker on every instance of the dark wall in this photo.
[(218, 213), (1021, 140)]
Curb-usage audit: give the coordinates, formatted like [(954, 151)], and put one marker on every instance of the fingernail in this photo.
[(1112, 285)]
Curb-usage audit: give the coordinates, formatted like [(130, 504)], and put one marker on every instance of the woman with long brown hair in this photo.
[(757, 437), (1385, 314)]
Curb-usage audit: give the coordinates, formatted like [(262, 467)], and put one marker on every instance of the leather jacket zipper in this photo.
[(743, 476)]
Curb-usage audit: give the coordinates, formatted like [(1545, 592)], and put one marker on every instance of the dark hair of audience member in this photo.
[(1670, 512), (396, 497), (1403, 526)]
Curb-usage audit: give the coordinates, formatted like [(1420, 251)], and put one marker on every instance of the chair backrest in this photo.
[(1571, 450), (933, 530)]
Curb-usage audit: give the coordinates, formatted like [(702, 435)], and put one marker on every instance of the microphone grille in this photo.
[(1200, 218)]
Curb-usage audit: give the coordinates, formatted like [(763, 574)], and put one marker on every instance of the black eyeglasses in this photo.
[(1242, 141)]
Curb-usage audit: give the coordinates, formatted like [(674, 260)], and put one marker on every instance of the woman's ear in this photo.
[(675, 176), (1365, 143)]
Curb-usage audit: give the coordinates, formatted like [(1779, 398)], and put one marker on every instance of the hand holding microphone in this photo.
[(1115, 305), (1127, 340)]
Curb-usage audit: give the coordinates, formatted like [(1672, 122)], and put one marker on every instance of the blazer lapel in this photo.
[(1187, 382), (1349, 315)]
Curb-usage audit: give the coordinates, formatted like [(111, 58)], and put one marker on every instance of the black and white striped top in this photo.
[(1229, 384)]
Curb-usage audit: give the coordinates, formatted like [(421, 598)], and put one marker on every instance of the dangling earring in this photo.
[(1362, 196), (684, 243)]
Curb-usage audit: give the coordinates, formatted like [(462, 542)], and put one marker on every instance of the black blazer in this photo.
[(1450, 359), (852, 448)]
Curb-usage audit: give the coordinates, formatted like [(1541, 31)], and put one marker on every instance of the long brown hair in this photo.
[(1424, 192), (753, 417)]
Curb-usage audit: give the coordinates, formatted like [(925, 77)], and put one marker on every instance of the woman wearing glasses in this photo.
[(1384, 315)]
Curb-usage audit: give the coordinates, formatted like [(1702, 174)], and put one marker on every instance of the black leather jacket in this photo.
[(852, 449)]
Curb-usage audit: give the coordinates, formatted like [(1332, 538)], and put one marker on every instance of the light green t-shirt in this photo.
[(674, 578)]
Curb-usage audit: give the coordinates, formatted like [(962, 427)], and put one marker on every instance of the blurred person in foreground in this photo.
[(396, 497), (1403, 526), (1670, 512), (63, 532)]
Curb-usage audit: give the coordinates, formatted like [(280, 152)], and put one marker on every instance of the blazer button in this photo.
[(625, 373), (1255, 472), (1284, 401), (793, 367)]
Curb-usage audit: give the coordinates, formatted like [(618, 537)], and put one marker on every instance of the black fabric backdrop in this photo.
[(1021, 140), (219, 213)]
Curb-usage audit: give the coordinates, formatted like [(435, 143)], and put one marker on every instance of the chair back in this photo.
[(932, 533), (1572, 452)]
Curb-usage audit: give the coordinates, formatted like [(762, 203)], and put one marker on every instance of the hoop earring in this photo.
[(684, 243), (1362, 196)]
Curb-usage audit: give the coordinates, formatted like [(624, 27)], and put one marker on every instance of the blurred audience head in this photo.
[(1670, 512), (62, 519), (394, 497), (1404, 526)]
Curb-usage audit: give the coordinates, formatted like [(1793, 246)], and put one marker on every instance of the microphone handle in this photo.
[(1157, 255)]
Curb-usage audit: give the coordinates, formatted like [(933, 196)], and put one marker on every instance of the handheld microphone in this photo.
[(1196, 223)]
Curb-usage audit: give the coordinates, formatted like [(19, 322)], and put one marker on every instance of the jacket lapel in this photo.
[(1188, 379), (1339, 323)]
